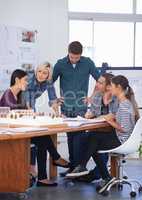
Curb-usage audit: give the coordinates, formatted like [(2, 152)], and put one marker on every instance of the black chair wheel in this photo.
[(105, 193), (125, 177), (133, 194), (140, 189), (120, 187)]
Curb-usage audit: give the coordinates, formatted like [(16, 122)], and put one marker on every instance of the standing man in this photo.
[(74, 71)]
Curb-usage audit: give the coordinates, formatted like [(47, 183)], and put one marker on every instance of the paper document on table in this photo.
[(80, 121), (30, 121), (21, 130)]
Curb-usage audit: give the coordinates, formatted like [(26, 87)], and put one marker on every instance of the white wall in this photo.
[(48, 17)]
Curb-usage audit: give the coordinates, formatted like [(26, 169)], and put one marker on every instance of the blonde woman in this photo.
[(38, 84)]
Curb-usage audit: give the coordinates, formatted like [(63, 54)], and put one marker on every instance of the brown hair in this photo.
[(108, 77), (129, 93), (75, 47), (124, 83)]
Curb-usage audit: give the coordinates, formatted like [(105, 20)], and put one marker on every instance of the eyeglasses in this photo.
[(101, 82)]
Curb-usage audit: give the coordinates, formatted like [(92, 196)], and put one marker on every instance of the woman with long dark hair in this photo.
[(12, 98)]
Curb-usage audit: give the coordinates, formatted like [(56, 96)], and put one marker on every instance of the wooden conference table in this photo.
[(15, 155)]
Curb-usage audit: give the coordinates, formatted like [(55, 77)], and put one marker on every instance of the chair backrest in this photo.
[(133, 142)]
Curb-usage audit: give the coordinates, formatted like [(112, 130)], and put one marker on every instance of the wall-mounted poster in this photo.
[(18, 49)]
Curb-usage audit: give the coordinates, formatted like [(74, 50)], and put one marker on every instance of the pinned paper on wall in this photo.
[(18, 49), (5, 75)]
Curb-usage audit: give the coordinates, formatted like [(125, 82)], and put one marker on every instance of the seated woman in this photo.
[(102, 103), (123, 123), (37, 85), (12, 98)]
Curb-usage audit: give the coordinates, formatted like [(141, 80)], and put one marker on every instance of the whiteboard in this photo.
[(135, 81), (18, 49)]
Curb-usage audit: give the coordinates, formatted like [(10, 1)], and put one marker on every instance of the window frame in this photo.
[(110, 17)]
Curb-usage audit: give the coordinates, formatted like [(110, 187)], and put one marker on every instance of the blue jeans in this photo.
[(77, 144), (104, 157), (100, 141)]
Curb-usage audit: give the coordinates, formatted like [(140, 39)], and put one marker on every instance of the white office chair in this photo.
[(128, 147)]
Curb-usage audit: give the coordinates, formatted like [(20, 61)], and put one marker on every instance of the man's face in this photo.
[(74, 58)]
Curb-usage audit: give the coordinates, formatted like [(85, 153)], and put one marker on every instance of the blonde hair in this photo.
[(47, 66)]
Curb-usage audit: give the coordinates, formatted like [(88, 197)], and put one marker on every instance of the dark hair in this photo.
[(124, 83), (108, 78), (18, 73), (75, 47)]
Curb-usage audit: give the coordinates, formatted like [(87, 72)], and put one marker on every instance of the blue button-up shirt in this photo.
[(97, 106), (74, 81), (35, 90)]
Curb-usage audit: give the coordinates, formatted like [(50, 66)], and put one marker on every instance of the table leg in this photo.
[(14, 165), (114, 166)]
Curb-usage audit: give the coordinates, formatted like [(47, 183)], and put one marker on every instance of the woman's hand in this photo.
[(109, 117), (89, 115), (87, 100), (107, 98), (55, 106), (60, 101)]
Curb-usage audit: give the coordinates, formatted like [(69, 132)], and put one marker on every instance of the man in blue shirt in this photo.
[(74, 71)]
